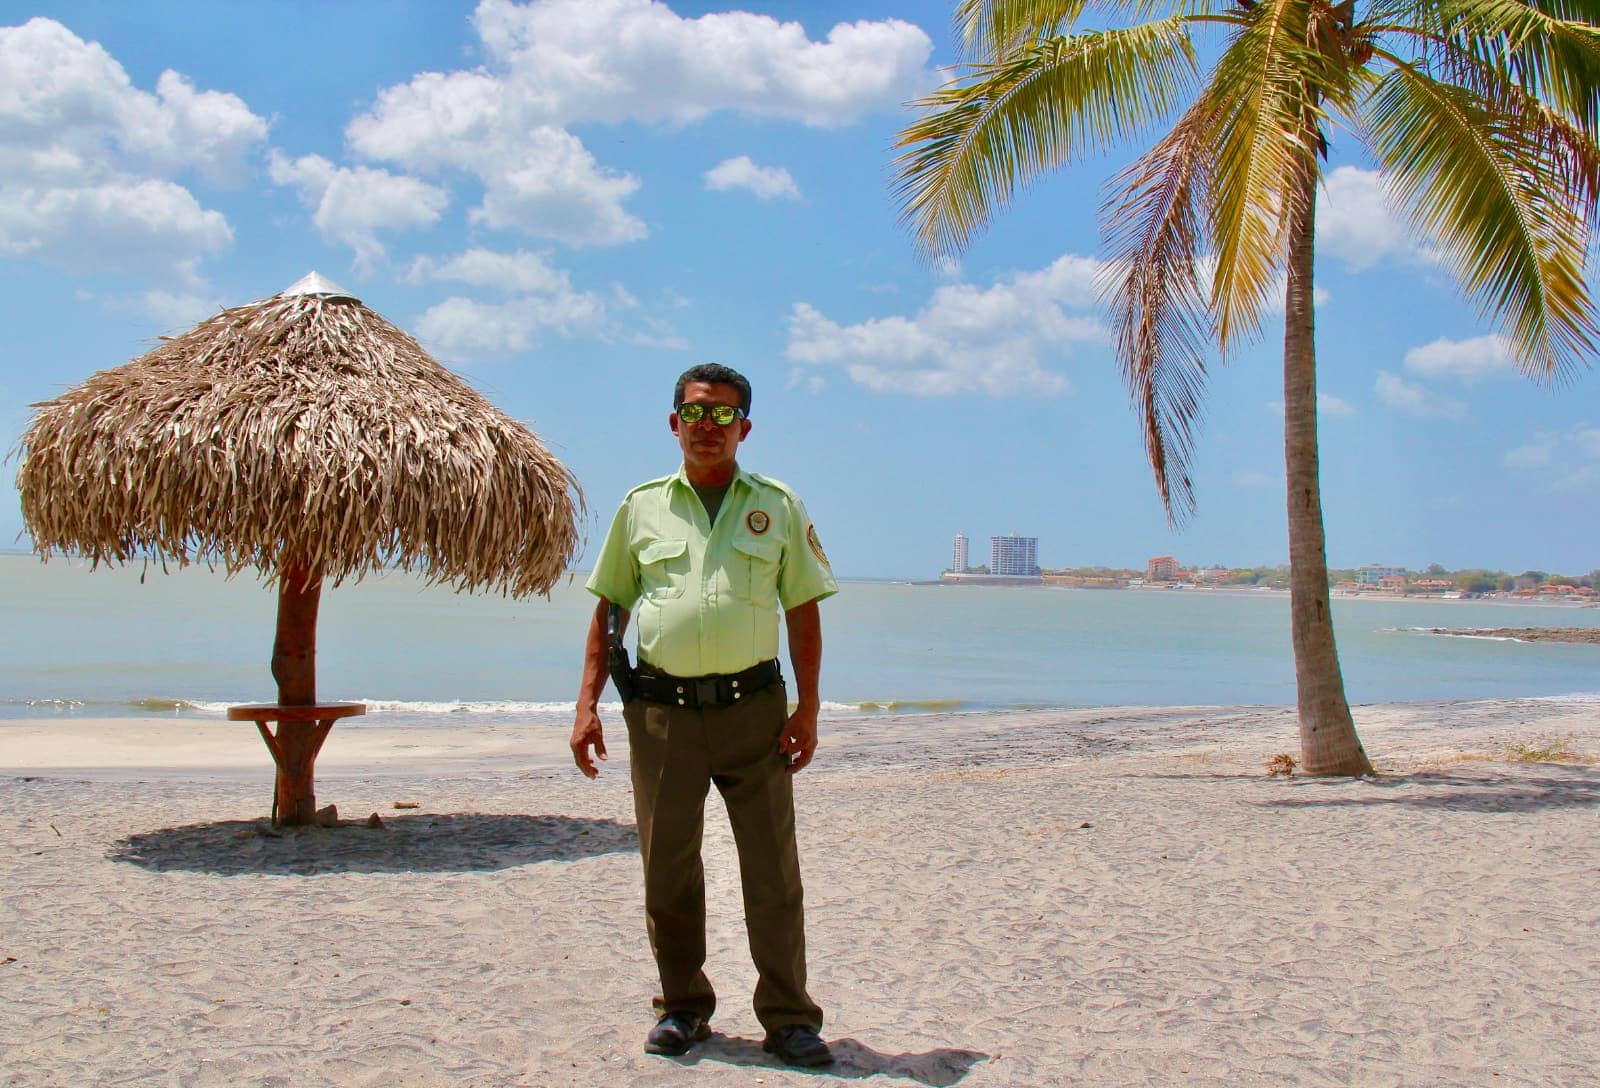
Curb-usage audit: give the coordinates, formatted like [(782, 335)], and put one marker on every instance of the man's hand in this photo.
[(586, 731), (799, 738)]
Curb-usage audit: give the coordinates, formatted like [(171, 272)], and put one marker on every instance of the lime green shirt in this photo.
[(705, 598)]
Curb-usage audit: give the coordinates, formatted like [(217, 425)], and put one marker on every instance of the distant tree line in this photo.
[(1478, 580), (1475, 580)]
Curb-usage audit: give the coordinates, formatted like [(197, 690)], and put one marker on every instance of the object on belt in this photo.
[(623, 674), (655, 686)]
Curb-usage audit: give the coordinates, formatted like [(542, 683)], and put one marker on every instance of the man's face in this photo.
[(707, 446)]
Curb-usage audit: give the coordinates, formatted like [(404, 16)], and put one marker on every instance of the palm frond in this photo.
[(1487, 71), (1266, 85), (1162, 326), (989, 30), (1473, 179), (980, 141), (1550, 48)]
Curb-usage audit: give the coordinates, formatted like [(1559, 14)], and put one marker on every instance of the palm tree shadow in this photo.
[(853, 1060), (412, 843), (1551, 788)]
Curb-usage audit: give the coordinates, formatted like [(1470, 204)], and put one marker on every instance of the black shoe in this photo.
[(798, 1045), (675, 1033)]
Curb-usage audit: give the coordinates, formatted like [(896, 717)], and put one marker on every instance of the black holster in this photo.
[(622, 671)]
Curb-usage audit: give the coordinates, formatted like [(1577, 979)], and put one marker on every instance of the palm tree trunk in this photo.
[(1328, 741)]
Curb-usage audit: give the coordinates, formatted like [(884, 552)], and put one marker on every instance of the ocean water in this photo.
[(130, 641)]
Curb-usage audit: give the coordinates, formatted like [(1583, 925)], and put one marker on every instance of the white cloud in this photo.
[(1416, 400), (535, 298), (77, 138), (1330, 405), (548, 185), (622, 60), (1357, 223), (799, 378), (1256, 478), (176, 311), (1539, 453), (966, 339), (467, 328), (351, 205), (765, 182), (133, 226), (1566, 460), (1466, 360), (508, 273), (69, 111), (551, 64)]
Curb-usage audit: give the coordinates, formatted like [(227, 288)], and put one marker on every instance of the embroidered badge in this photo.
[(758, 521), (816, 545)]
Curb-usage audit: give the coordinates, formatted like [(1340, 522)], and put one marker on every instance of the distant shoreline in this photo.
[(1250, 591)]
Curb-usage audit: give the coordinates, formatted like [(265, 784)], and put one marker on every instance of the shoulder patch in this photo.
[(816, 546)]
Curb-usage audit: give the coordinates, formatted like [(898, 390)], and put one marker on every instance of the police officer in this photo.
[(704, 558)]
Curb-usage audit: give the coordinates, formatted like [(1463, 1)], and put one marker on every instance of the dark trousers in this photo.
[(677, 754)]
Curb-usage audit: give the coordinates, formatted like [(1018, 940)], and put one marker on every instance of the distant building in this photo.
[(1212, 575), (1163, 568), (1014, 555), (958, 554), (1373, 575)]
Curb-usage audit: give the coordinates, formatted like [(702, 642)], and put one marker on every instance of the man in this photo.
[(704, 557)]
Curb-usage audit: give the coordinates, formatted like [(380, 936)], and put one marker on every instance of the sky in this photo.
[(569, 202)]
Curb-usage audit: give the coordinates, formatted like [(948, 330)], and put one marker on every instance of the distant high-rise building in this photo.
[(1014, 555), (958, 554), (1163, 568)]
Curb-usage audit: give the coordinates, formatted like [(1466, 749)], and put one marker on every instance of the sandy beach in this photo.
[(1092, 897)]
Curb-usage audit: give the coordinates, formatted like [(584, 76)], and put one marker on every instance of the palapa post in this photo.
[(306, 437)]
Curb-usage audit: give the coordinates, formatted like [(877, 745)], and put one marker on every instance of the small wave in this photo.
[(166, 705), (904, 706), (465, 707), (71, 706), (1464, 632), (423, 710), (1571, 697)]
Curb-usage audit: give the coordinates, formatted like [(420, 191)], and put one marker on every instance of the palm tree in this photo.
[(1481, 114)]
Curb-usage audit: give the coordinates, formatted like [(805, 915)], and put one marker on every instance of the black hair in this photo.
[(717, 374)]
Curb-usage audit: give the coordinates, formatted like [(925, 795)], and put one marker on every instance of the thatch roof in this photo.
[(301, 431)]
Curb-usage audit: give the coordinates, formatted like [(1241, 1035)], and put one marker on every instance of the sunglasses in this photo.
[(721, 414)]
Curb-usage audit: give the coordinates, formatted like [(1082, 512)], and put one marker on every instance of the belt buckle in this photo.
[(705, 691)]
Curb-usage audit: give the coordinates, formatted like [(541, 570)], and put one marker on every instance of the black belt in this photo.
[(655, 686)]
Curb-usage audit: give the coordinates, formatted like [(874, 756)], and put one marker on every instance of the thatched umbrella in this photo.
[(307, 437)]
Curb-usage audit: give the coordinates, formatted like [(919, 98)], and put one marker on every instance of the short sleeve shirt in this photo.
[(705, 598)]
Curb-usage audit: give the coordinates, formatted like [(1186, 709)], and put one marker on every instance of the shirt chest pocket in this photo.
[(664, 568), (756, 564)]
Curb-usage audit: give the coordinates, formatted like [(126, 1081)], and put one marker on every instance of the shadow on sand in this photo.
[(412, 843), (1552, 787), (853, 1060)]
